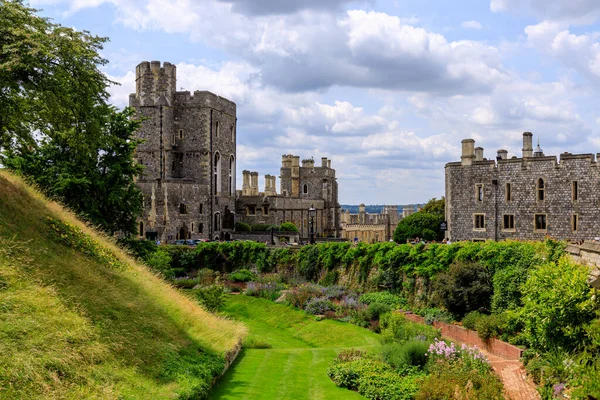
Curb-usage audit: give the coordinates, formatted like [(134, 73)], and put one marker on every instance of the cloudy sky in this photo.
[(387, 89)]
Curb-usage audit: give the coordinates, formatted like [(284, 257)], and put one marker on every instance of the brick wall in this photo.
[(469, 337)]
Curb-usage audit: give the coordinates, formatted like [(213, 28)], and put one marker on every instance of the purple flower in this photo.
[(558, 389)]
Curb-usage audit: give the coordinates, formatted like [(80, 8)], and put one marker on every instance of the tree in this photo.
[(56, 126), (288, 227), (424, 224)]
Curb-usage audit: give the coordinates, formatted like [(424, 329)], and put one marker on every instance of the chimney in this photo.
[(478, 153), (502, 154), (254, 183), (527, 144), (246, 186), (328, 163), (468, 152), (324, 162)]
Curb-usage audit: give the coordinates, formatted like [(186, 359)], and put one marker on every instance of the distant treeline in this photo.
[(377, 208)]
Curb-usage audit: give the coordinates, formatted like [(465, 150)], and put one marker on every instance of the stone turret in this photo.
[(468, 152), (527, 144), (155, 84)]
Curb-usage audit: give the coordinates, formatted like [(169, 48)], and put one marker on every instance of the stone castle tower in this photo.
[(189, 155)]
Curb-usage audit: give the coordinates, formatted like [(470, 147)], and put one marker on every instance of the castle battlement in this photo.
[(204, 98)]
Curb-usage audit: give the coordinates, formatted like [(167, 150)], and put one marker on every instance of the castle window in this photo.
[(141, 228), (479, 221), (217, 221), (575, 191), (232, 175), (541, 190), (305, 189), (200, 209), (479, 192), (539, 222), (181, 134), (265, 210), (251, 210), (182, 208), (217, 129), (574, 222), (192, 227), (509, 222), (233, 133), (217, 173), (508, 192), (200, 227), (173, 140)]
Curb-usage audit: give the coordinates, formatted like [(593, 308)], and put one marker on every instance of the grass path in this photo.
[(302, 349)]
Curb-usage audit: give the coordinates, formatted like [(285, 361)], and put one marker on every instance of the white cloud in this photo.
[(471, 24)]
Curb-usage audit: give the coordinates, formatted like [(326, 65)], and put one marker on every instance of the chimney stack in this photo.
[(527, 144), (502, 154), (478, 153), (468, 152)]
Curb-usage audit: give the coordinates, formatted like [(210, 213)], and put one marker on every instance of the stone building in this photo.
[(528, 197), (189, 155), (302, 187), (370, 228)]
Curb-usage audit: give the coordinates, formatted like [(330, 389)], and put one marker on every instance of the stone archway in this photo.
[(183, 233)]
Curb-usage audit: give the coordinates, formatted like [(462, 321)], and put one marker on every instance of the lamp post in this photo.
[(311, 212)]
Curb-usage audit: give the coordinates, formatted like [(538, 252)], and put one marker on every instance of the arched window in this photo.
[(541, 190), (217, 224), (305, 189), (217, 173), (217, 129), (141, 228), (232, 175)]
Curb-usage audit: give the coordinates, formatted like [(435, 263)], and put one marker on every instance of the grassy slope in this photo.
[(302, 349), (71, 327)]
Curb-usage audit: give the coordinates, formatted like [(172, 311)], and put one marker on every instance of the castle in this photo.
[(189, 179), (525, 198), (370, 228), (302, 187)]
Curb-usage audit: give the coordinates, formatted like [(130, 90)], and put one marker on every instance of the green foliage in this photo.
[(260, 227), (140, 248), (558, 305), (160, 261), (185, 283), (392, 300), (375, 310), (242, 275), (466, 287), (407, 355), (395, 327), (288, 227), (211, 297), (242, 227), (420, 224), (330, 278), (388, 385), (435, 207), (490, 326), (308, 266), (318, 305), (470, 320), (254, 343)]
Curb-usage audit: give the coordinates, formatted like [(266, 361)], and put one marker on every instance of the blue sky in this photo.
[(386, 89)]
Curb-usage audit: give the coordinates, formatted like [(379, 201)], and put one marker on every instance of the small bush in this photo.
[(211, 297), (260, 227), (388, 386), (330, 278), (160, 261), (185, 283), (384, 298), (288, 227), (318, 305), (242, 275), (490, 326), (376, 309), (242, 227), (395, 327), (254, 343), (404, 356), (471, 319)]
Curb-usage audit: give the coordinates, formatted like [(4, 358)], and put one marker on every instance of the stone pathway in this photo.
[(517, 384)]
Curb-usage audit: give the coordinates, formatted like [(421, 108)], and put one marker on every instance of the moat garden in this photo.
[(328, 321)]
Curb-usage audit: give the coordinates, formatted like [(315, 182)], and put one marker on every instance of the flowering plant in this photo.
[(465, 357)]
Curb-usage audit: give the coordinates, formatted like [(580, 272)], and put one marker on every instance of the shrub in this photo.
[(490, 326), (288, 227), (330, 278), (242, 275), (318, 305), (347, 374), (558, 305), (451, 382), (206, 276), (466, 287), (387, 386), (242, 227), (471, 319), (376, 309), (395, 327), (211, 297), (160, 261), (404, 356), (388, 298), (254, 343), (260, 227), (185, 283), (298, 296)]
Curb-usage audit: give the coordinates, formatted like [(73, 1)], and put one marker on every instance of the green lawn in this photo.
[(302, 349)]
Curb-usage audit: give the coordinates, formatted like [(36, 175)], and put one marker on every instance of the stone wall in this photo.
[(521, 177), (189, 157), (265, 237), (587, 253)]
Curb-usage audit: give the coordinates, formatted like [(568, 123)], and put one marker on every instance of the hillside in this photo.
[(81, 319)]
